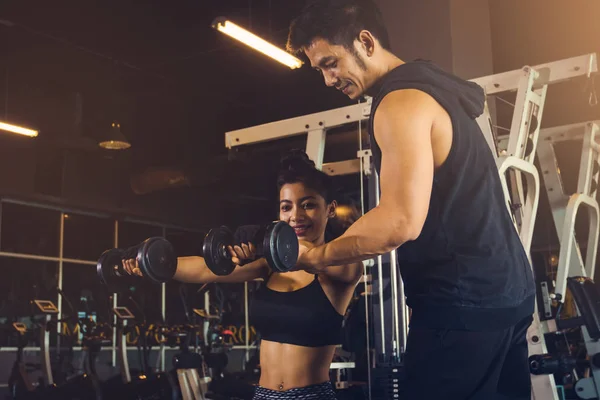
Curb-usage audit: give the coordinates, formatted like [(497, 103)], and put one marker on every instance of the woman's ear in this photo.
[(331, 209)]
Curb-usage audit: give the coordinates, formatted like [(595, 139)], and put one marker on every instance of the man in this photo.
[(467, 277)]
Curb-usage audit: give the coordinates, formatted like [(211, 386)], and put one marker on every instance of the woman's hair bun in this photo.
[(297, 160)]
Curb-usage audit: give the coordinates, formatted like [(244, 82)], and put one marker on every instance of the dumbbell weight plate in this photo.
[(157, 260), (215, 252), (280, 246), (109, 264)]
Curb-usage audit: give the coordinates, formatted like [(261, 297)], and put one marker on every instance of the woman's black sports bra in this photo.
[(303, 317)]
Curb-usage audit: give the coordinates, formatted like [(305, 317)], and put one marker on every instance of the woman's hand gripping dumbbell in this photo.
[(153, 259), (276, 242)]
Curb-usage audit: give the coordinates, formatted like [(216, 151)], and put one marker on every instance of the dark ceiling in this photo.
[(174, 83)]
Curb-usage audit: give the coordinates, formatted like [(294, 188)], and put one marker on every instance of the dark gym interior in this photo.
[(175, 86)]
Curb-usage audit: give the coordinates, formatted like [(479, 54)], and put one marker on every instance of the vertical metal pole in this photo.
[(395, 323), (45, 350), (485, 124), (247, 322), (361, 177), (207, 311), (315, 146), (362, 170), (398, 304), (0, 224), (114, 347), (163, 308), (517, 141), (380, 274), (393, 286), (61, 241), (538, 98), (367, 295), (588, 158), (123, 360)]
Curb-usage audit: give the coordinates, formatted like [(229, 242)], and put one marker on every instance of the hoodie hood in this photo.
[(423, 74)]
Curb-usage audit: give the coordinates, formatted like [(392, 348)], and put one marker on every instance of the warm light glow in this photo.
[(250, 39), (115, 133), (343, 211), (18, 129), (114, 145)]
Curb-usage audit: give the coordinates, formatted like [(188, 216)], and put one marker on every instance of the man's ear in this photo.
[(331, 209), (367, 42)]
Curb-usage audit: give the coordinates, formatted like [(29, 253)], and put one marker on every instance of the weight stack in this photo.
[(387, 382)]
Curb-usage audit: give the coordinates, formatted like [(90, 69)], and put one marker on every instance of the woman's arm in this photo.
[(195, 270)]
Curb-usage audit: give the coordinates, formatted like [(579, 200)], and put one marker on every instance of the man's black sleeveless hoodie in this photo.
[(467, 269)]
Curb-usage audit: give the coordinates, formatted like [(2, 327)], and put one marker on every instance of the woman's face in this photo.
[(306, 211)]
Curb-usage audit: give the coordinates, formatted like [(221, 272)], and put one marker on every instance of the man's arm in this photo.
[(402, 124), (345, 274)]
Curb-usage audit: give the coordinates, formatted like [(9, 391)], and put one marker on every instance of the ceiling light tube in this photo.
[(249, 39), (17, 129)]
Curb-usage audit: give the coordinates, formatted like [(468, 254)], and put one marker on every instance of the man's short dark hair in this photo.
[(337, 21)]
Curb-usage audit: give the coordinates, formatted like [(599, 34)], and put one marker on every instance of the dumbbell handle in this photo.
[(128, 254), (257, 240), (276, 243), (132, 252)]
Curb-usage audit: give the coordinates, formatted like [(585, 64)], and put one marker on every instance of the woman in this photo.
[(298, 314)]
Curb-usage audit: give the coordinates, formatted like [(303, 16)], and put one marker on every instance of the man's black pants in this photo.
[(465, 365)]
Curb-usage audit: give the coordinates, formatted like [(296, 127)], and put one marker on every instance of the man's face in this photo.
[(345, 70)]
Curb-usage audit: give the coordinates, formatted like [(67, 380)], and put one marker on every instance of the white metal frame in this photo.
[(564, 212), (553, 72), (514, 164), (193, 387), (531, 86), (565, 207), (531, 200), (515, 160)]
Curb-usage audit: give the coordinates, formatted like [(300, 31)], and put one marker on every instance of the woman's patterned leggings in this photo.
[(321, 391)]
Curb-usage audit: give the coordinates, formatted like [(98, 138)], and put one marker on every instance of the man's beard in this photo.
[(359, 60)]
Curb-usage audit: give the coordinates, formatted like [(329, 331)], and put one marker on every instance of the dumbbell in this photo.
[(155, 257), (276, 242)]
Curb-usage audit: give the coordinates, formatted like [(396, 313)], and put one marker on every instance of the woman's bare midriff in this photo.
[(286, 366)]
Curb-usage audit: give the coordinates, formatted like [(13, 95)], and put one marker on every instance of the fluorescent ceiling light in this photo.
[(249, 39), (18, 129)]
